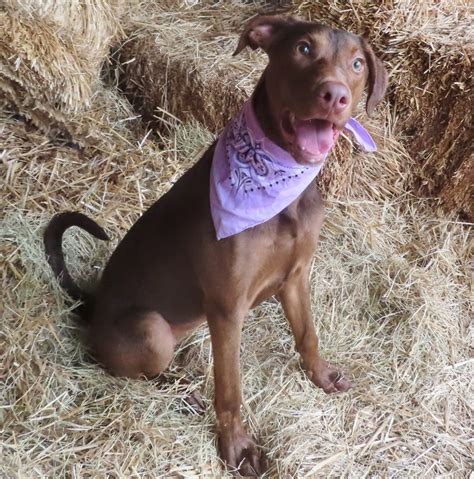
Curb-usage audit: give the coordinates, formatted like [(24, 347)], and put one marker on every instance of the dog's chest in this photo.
[(294, 239), (286, 246)]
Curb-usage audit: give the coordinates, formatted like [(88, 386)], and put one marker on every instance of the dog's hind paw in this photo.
[(329, 378), (195, 403)]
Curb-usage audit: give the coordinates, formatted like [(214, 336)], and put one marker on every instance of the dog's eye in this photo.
[(357, 64), (304, 48)]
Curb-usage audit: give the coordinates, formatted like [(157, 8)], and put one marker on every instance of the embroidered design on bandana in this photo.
[(252, 162), (253, 179)]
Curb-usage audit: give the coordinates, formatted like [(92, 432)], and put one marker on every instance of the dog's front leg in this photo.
[(236, 447), (295, 299)]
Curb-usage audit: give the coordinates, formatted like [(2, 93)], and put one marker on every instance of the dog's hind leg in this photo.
[(141, 346)]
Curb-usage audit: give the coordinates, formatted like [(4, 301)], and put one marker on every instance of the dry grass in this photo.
[(391, 300)]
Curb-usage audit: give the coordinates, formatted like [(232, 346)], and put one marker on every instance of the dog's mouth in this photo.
[(309, 140)]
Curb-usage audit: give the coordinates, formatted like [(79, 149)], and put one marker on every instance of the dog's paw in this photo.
[(240, 453), (195, 403), (329, 378)]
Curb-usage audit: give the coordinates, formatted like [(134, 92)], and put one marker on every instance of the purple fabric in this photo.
[(253, 179), (361, 135)]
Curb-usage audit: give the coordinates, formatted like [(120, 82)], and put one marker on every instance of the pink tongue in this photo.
[(315, 136)]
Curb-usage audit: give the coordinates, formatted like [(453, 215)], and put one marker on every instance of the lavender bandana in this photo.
[(253, 179)]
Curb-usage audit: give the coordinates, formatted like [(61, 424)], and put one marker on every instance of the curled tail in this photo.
[(54, 252)]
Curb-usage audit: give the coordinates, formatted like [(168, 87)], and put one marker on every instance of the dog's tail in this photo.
[(54, 253)]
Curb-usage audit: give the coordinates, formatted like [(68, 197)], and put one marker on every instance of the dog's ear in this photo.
[(261, 31), (377, 78)]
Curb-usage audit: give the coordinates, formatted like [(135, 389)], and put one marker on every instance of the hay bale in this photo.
[(51, 55), (165, 84), (181, 61), (458, 191), (41, 71), (93, 24), (433, 101)]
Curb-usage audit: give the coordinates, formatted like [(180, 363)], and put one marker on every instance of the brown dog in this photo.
[(170, 273)]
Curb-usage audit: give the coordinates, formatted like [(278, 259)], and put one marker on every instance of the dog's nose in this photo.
[(333, 97)]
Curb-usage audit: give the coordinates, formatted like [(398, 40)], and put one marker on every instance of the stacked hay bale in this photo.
[(433, 98), (51, 55), (181, 61)]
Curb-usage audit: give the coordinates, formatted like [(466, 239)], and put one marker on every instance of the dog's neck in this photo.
[(267, 118)]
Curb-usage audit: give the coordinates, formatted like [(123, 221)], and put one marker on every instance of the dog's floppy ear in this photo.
[(261, 31), (377, 80)]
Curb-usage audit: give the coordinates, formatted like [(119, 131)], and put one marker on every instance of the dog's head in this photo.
[(314, 80)]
